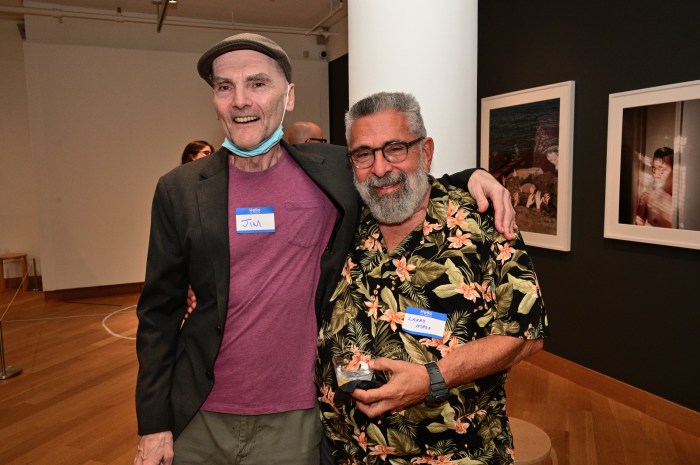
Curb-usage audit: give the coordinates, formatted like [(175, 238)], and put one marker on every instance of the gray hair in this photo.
[(398, 101)]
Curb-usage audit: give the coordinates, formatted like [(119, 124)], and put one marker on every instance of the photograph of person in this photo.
[(660, 150)]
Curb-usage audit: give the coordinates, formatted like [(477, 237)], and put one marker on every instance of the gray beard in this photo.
[(397, 207)]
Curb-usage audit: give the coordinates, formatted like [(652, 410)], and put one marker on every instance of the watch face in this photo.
[(438, 395), (434, 402)]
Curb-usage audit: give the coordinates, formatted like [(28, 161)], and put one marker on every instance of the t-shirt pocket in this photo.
[(305, 222)]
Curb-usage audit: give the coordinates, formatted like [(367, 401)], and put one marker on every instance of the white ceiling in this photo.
[(297, 14)]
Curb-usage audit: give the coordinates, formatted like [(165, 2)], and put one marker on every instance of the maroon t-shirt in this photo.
[(268, 351)]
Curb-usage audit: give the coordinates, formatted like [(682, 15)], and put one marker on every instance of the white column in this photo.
[(427, 48)]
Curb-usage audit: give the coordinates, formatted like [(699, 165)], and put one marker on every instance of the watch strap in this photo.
[(439, 392)]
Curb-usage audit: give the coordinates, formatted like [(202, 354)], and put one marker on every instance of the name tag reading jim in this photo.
[(423, 322), (255, 220)]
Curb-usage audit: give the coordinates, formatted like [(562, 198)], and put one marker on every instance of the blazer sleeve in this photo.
[(460, 179), (160, 309)]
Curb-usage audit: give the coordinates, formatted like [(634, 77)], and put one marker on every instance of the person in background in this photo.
[(304, 132), (655, 207), (195, 150), (430, 293), (260, 230)]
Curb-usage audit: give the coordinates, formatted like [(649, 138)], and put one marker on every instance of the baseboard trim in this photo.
[(96, 291), (33, 283), (657, 407)]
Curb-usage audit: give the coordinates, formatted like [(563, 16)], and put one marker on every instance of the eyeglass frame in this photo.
[(311, 140), (373, 150)]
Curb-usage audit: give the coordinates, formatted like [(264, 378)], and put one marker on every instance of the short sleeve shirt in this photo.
[(454, 264)]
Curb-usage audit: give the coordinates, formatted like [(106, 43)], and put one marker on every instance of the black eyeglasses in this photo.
[(394, 151), (314, 139)]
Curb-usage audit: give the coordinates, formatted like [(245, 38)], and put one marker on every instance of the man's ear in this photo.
[(428, 149), (290, 102)]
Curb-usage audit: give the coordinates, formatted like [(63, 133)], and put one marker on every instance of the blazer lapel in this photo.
[(314, 164)]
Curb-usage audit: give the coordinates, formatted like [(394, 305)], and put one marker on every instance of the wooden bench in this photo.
[(22, 257)]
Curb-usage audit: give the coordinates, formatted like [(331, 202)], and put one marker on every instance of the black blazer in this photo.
[(189, 244)]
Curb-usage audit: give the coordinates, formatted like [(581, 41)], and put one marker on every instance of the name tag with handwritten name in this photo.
[(255, 220), (423, 322)]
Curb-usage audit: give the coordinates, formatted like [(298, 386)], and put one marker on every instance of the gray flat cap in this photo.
[(245, 41)]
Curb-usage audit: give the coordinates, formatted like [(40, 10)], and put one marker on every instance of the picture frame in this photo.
[(652, 182), (527, 144)]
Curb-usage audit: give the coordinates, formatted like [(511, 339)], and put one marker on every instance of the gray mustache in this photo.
[(386, 180)]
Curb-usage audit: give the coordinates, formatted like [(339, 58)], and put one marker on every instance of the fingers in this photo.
[(376, 402), (478, 186), (372, 400), (482, 202), (370, 396), (504, 216), (155, 449), (168, 458), (408, 386), (483, 186), (191, 300), (382, 364), (374, 410), (508, 216)]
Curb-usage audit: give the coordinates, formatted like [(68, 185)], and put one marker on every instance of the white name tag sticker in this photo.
[(255, 220), (423, 322)]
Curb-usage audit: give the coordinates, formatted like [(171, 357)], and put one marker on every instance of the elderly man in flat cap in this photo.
[(260, 231)]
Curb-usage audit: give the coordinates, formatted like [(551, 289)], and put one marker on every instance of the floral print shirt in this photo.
[(456, 264)]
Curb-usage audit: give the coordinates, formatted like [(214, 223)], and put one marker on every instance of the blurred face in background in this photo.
[(204, 152)]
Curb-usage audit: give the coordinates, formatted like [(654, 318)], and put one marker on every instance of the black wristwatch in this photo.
[(438, 388)]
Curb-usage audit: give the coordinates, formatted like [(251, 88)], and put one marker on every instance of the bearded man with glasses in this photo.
[(432, 299)]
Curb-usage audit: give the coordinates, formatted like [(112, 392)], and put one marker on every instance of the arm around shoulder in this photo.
[(484, 188)]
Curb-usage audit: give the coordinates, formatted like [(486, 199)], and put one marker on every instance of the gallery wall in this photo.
[(625, 309), (101, 136), (19, 221), (93, 113)]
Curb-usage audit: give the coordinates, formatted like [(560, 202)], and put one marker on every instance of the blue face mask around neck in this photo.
[(259, 149), (264, 146)]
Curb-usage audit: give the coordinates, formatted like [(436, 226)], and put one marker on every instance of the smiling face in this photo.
[(392, 191), (249, 96)]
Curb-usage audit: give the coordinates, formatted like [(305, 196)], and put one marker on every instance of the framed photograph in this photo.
[(652, 182), (527, 143)]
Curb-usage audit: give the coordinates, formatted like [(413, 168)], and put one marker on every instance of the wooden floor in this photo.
[(73, 404)]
